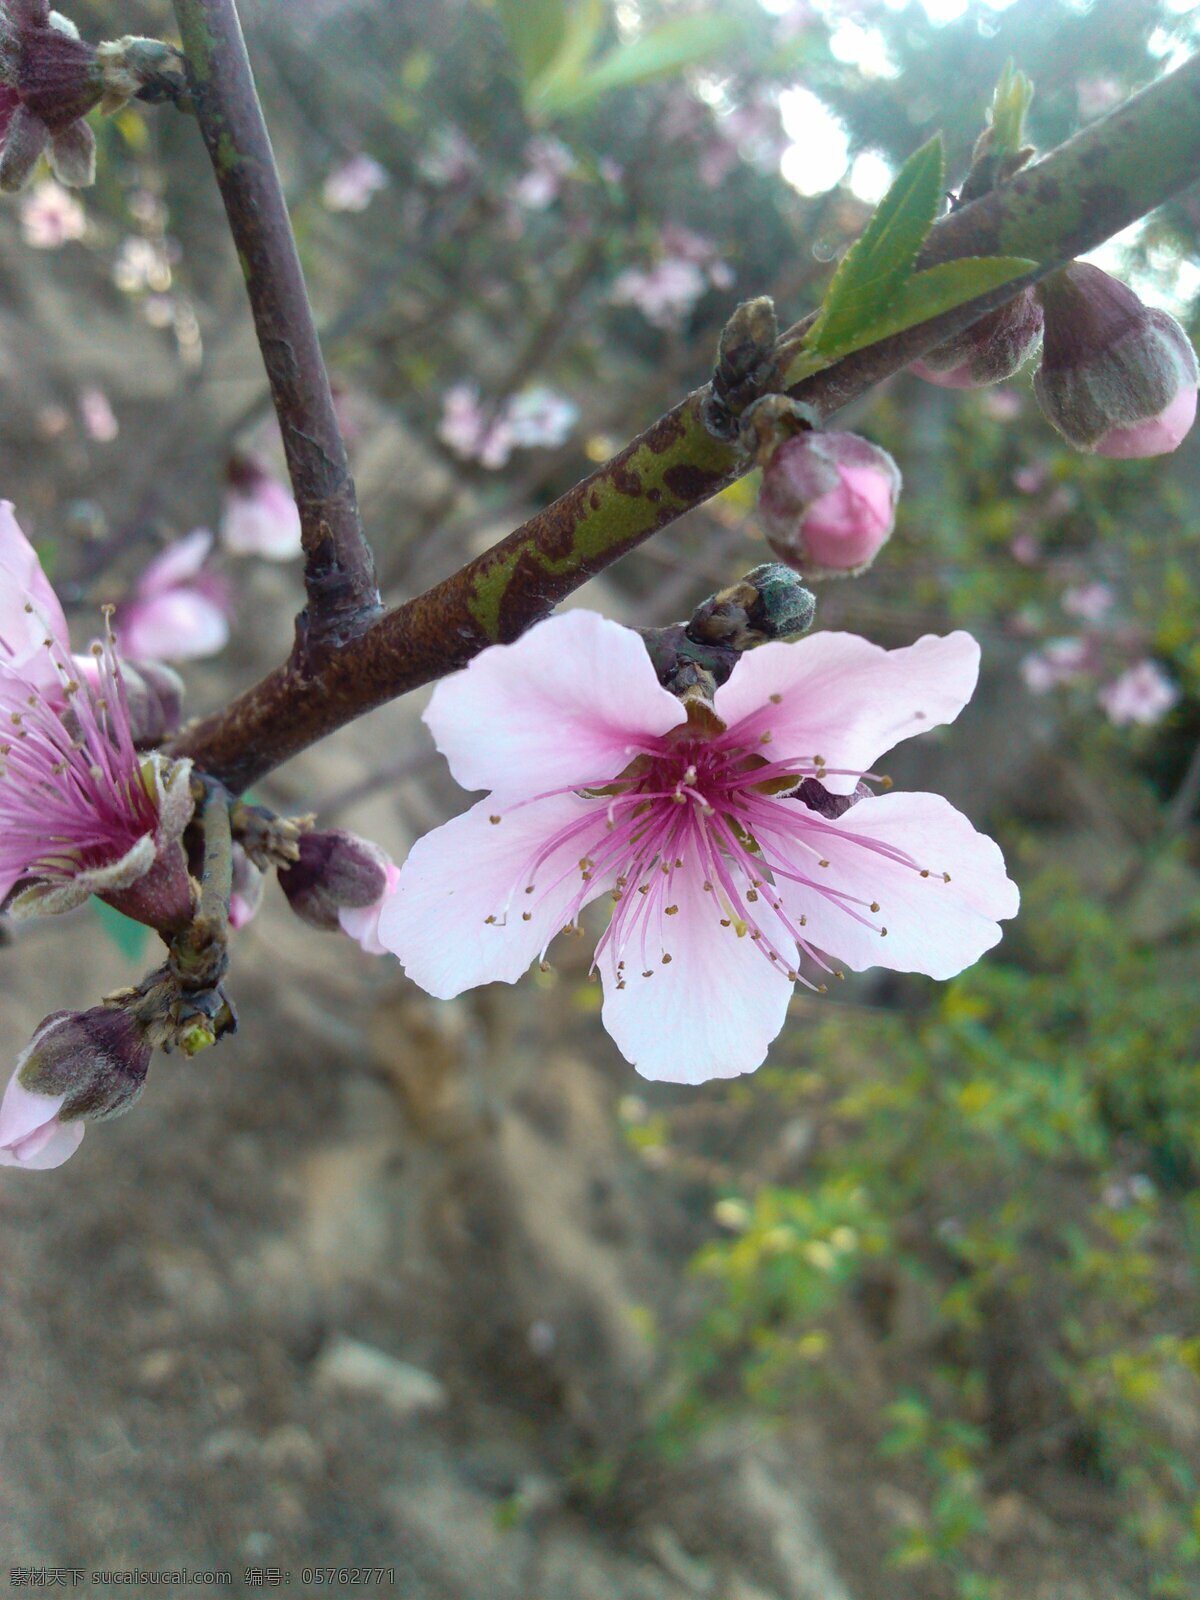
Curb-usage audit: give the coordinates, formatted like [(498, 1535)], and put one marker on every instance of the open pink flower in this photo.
[(735, 846), (177, 612), (81, 811)]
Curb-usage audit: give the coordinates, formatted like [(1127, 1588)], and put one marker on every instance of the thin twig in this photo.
[(339, 568)]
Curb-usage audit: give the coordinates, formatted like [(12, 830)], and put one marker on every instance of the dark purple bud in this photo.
[(990, 350), (336, 871), (1117, 377), (155, 696)]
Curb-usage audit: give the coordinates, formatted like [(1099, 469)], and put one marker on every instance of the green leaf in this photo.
[(1010, 105), (128, 936), (565, 71), (683, 42), (924, 296), (877, 265), (536, 30)]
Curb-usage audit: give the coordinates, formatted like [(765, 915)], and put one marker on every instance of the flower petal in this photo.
[(933, 926), (471, 869), (176, 564), (30, 1132), (713, 1009), (23, 584), (181, 625), (566, 704), (846, 699)]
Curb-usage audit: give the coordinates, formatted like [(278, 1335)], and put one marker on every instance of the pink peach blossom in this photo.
[(81, 810), (1143, 695), (737, 844), (178, 611), (1090, 601)]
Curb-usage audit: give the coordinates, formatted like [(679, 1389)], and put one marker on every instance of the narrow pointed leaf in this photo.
[(924, 296), (656, 54), (878, 263)]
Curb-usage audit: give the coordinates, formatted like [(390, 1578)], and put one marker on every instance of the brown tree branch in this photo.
[(1103, 179), (339, 571)]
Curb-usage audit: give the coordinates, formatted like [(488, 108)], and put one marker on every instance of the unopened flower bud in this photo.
[(80, 1066), (1117, 377), (155, 696), (990, 350), (50, 80), (828, 502), (335, 872)]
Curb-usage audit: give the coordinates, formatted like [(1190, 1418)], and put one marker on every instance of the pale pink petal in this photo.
[(471, 869), (567, 704), (179, 626), (934, 927), (176, 564), (713, 1009), (362, 922), (1156, 436), (30, 1132), (22, 584), (846, 699)]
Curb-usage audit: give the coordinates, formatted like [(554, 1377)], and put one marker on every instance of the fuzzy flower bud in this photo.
[(990, 350), (50, 80), (1117, 377), (335, 872), (80, 1066), (828, 502)]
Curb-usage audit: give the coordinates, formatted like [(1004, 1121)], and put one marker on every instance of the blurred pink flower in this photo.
[(536, 417), (353, 185), (177, 611), (260, 517), (450, 160), (51, 216), (1025, 549), (732, 852), (1096, 96), (1143, 694), (1058, 662), (97, 415), (1089, 601), (549, 162)]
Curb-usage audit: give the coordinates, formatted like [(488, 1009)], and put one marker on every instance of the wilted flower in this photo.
[(80, 1066), (737, 842), (353, 185), (828, 502), (990, 350), (81, 812), (1116, 377), (1144, 694), (177, 611), (51, 216), (260, 517)]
